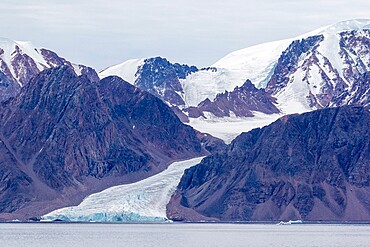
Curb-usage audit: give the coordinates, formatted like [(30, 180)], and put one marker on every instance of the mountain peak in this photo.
[(21, 61), (258, 61), (342, 26)]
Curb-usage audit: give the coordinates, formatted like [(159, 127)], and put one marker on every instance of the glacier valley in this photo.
[(143, 201)]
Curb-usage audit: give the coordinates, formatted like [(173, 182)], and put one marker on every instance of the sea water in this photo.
[(172, 235)]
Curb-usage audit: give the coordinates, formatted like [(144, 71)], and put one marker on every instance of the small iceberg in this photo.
[(290, 222)]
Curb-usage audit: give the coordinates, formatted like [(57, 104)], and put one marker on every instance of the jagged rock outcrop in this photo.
[(161, 78), (241, 102), (210, 143), (64, 137), (313, 166), (21, 61)]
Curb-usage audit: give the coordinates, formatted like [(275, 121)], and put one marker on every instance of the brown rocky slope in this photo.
[(64, 137), (313, 166)]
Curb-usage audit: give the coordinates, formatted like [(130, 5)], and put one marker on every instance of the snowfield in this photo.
[(143, 201), (255, 63), (227, 128), (126, 70)]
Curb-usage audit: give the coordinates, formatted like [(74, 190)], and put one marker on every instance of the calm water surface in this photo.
[(171, 235)]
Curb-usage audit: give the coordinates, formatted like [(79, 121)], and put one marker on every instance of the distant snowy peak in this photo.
[(161, 78), (347, 25), (21, 60), (318, 69), (257, 62), (314, 70), (178, 85), (126, 70), (155, 75)]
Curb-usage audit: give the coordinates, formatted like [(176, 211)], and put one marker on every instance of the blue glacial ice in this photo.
[(143, 201)]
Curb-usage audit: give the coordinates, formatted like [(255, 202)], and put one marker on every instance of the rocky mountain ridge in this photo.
[(313, 166), (21, 61), (241, 102), (64, 137)]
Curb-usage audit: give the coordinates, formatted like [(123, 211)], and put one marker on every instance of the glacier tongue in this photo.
[(143, 201)]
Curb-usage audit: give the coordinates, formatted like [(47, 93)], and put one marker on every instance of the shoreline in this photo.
[(197, 223)]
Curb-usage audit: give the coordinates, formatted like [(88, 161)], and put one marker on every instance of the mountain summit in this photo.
[(20, 61)]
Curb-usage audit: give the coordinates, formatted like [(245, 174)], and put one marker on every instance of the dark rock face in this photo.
[(355, 52), (15, 184), (89, 72), (161, 78), (358, 94), (8, 87), (314, 166), (183, 70), (241, 101), (210, 143), (65, 137), (53, 60)]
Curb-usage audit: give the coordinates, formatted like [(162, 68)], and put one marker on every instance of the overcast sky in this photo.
[(101, 33)]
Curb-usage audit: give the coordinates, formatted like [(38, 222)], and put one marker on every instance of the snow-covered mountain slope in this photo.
[(207, 83), (323, 68), (126, 70), (258, 63), (143, 201), (155, 75), (254, 63), (20, 61)]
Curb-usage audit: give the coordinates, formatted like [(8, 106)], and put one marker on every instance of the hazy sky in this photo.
[(101, 33)]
